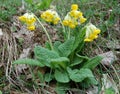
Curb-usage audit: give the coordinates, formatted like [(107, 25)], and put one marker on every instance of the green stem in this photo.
[(64, 33), (62, 26), (68, 33), (45, 32)]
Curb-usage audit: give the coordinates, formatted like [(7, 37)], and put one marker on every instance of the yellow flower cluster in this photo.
[(50, 16), (91, 33), (29, 19), (74, 17)]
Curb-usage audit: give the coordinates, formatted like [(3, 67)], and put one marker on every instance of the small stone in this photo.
[(1, 33), (113, 45), (108, 58)]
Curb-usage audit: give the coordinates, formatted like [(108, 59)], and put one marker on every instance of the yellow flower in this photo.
[(56, 20), (29, 20), (50, 16), (22, 18), (27, 16), (47, 16), (91, 33), (32, 27), (87, 40), (93, 36), (43, 16), (76, 14), (69, 21), (65, 22), (72, 25), (96, 31), (74, 17), (74, 7), (82, 19)]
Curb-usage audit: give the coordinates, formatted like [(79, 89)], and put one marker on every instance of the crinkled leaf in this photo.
[(45, 55), (56, 45), (29, 62), (59, 62), (42, 52), (66, 48), (76, 61), (47, 45), (79, 75), (92, 63), (61, 76), (79, 38)]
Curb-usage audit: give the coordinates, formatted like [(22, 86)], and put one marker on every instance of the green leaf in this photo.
[(45, 55), (61, 88), (83, 57), (92, 81), (29, 62), (92, 63), (79, 39), (76, 61), (65, 48), (80, 75), (61, 61), (48, 77), (88, 82), (61, 76), (47, 45), (56, 45)]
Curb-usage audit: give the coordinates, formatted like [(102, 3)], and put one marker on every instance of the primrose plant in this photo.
[(64, 59)]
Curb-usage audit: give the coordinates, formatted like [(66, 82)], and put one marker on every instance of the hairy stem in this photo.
[(50, 41)]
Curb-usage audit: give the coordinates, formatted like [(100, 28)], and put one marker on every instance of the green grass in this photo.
[(8, 8)]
